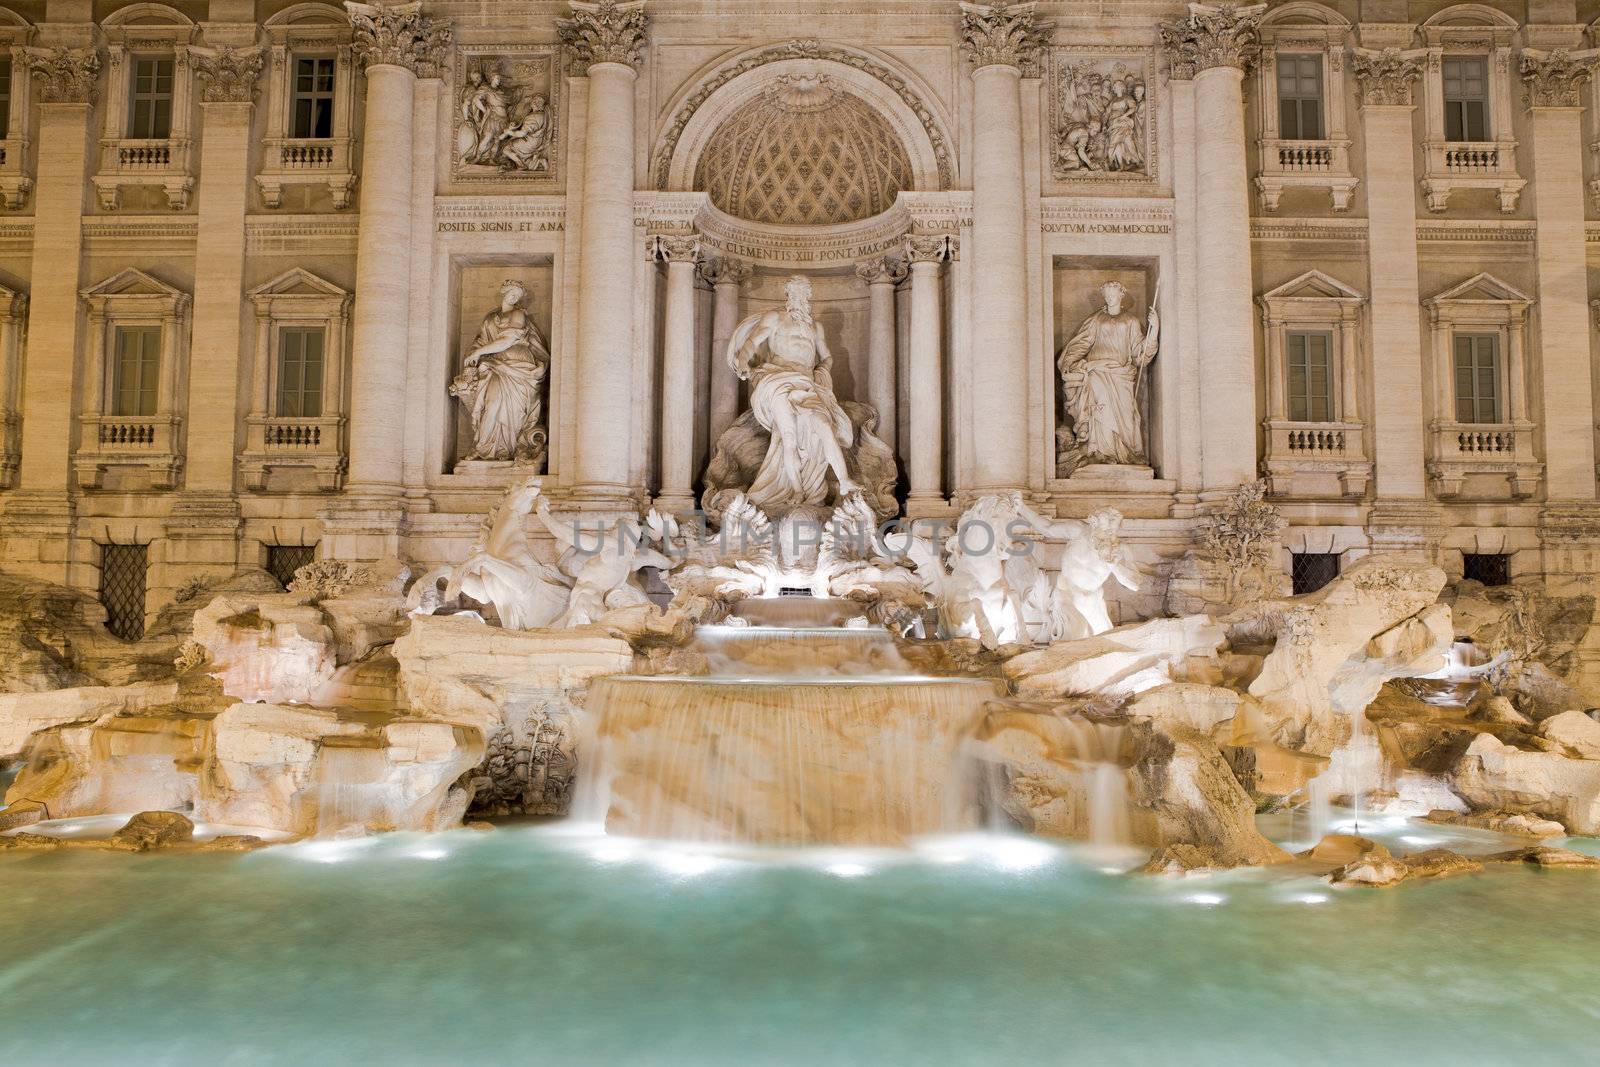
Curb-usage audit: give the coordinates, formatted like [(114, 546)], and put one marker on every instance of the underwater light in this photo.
[(1310, 898), (848, 870), (1208, 900)]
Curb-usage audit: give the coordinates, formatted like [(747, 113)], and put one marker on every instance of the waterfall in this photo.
[(352, 789), (1108, 805)]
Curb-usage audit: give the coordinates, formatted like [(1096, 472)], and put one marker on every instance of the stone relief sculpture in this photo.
[(1102, 370), (501, 383), (1100, 120), (504, 123), (502, 570), (796, 446)]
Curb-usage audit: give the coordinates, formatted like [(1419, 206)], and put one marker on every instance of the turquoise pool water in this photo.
[(535, 945)]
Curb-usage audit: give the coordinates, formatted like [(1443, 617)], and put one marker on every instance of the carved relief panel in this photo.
[(1102, 116), (506, 115)]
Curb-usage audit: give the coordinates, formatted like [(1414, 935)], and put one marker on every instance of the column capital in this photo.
[(883, 270), (1552, 79), (606, 32), (1002, 34), (930, 248), (725, 270), (398, 35), (669, 248), (66, 75), (1213, 36), (227, 75), (1386, 77)]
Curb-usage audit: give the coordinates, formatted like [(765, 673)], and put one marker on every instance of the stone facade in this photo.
[(246, 248)]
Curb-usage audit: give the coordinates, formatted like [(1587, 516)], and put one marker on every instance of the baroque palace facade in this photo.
[(285, 280)]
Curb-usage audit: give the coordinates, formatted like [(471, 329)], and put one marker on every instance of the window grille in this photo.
[(1313, 570), (284, 560), (123, 571), (1490, 568)]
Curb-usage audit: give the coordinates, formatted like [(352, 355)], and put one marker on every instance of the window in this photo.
[(1490, 568), (1300, 97), (150, 117), (284, 560), (5, 98), (136, 370), (122, 580), (1313, 570), (300, 372), (1310, 374), (1477, 377), (1466, 98), (313, 96)]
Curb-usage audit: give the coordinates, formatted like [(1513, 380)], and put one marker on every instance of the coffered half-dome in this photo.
[(804, 152)]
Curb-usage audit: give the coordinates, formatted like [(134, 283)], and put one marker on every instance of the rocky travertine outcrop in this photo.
[(1501, 822), (521, 689), (1180, 790), (1492, 775), (1333, 649), (1119, 662), (24, 714)]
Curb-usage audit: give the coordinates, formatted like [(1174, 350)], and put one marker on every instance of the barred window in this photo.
[(1490, 568), (1313, 570), (123, 569), (284, 560)]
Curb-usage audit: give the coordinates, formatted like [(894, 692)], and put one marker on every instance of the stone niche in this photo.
[(1075, 295), (475, 285)]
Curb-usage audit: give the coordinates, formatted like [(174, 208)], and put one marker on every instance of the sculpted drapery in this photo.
[(1102, 370), (502, 383)]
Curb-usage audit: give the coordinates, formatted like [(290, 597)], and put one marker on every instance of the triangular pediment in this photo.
[(133, 282), (1482, 288), (297, 282), (1312, 285)]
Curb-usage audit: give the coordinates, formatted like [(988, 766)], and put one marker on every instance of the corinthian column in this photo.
[(1215, 46), (1555, 113), (677, 374), (607, 39), (396, 44), (1002, 43), (1386, 79), (726, 276), (38, 513), (881, 275), (925, 450)]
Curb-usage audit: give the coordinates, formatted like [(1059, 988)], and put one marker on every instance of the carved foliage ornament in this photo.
[(228, 75), (66, 75), (1213, 36), (398, 35), (930, 248), (724, 270), (1387, 77), (1553, 78), (886, 270), (671, 249), (1003, 35), (606, 32)]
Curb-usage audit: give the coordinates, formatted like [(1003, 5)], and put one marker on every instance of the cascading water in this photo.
[(797, 736)]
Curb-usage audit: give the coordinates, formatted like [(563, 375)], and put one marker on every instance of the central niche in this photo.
[(804, 153)]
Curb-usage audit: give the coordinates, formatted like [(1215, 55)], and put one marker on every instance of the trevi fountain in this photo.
[(678, 532)]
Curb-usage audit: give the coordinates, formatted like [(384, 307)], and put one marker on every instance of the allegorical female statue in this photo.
[(1102, 376), (502, 383), (791, 396)]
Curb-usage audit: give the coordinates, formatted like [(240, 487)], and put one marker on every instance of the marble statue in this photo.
[(502, 570), (1102, 378), (1092, 555), (501, 383), (501, 127), (603, 562), (796, 446), (791, 394)]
